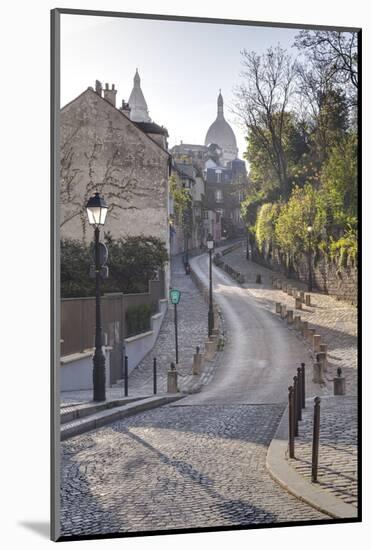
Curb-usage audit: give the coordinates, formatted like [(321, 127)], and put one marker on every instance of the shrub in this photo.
[(138, 319)]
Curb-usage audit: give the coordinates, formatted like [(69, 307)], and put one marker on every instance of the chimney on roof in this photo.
[(125, 109), (98, 88), (110, 94)]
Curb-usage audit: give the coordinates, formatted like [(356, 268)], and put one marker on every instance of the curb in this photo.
[(99, 419), (294, 483)]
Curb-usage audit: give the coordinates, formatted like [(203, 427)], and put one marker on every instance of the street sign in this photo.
[(175, 296), (103, 254)]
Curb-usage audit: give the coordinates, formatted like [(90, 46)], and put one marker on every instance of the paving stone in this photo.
[(176, 467)]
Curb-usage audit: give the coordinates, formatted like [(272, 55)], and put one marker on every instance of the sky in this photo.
[(182, 66)]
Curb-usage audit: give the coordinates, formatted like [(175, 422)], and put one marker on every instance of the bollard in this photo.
[(172, 379), (304, 328), (307, 300), (283, 311), (258, 279), (289, 290), (290, 316), (197, 362), (339, 383), (291, 423), (126, 376), (317, 374), (310, 333), (284, 287), (303, 385), (278, 307), (315, 444), (296, 431), (299, 393), (316, 342), (297, 322), (301, 295), (298, 304), (323, 347), (154, 375), (294, 292), (209, 350), (321, 359), (279, 284)]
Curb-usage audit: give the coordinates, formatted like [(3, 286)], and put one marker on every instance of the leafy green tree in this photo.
[(302, 210), (340, 185), (76, 258), (265, 227), (132, 263)]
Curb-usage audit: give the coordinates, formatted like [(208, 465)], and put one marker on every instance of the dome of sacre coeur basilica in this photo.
[(221, 133)]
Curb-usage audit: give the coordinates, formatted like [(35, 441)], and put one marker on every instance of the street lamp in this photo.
[(96, 209), (310, 276), (210, 247)]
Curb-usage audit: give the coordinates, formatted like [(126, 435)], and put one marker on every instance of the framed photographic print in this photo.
[(205, 274)]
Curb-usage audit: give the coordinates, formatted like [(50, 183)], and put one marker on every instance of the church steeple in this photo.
[(220, 105), (137, 103)]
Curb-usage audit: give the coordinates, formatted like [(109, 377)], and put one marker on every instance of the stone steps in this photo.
[(106, 415), (73, 412)]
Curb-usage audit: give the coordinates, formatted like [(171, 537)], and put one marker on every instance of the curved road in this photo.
[(199, 462), (261, 356)]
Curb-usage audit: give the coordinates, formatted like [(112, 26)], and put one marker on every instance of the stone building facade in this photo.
[(127, 161)]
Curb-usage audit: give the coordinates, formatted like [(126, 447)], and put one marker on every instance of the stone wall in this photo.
[(328, 277)]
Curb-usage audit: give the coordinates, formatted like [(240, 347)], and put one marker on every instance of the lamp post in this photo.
[(96, 209), (210, 247), (310, 276)]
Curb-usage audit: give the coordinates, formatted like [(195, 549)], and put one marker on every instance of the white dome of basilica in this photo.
[(221, 133)]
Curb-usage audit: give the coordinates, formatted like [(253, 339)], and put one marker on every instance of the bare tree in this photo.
[(263, 100), (335, 52)]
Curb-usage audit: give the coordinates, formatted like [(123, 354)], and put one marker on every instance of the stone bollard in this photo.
[(307, 300), (317, 374), (172, 379), (290, 316), (310, 333), (258, 279), (278, 307), (289, 290), (297, 322), (279, 284), (209, 350), (284, 287), (323, 347), (321, 359), (304, 328), (274, 283), (197, 362), (283, 311), (301, 294), (298, 303), (316, 342), (339, 383)]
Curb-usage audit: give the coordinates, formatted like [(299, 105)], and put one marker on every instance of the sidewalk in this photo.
[(336, 322), (192, 332)]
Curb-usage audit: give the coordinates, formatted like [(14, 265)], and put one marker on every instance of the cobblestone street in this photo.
[(337, 462), (334, 320), (176, 467), (192, 332), (202, 461)]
